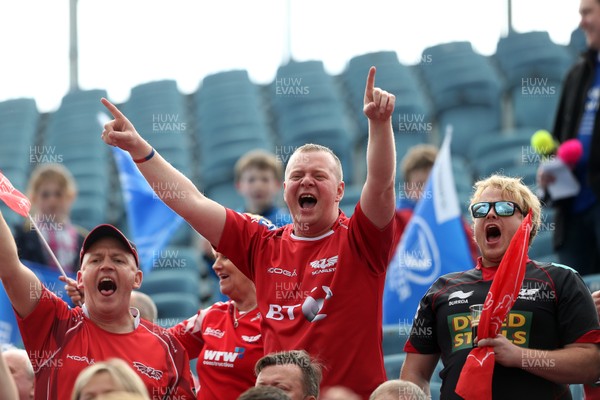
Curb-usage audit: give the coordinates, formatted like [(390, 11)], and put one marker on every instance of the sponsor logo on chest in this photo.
[(251, 339), (214, 332), (459, 297), (148, 371), (226, 359), (324, 265)]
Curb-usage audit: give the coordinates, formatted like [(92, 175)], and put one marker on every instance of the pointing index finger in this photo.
[(370, 81), (113, 109)]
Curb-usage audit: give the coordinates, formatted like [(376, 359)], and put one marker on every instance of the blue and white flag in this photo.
[(433, 244), (151, 222), (48, 276)]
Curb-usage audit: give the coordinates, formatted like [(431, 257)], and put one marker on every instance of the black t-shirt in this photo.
[(554, 308)]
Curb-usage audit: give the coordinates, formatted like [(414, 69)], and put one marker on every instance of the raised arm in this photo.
[(23, 288), (377, 198), (178, 192)]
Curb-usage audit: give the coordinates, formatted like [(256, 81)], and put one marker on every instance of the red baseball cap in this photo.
[(103, 231)]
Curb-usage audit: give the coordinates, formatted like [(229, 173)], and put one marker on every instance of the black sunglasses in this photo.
[(502, 208)]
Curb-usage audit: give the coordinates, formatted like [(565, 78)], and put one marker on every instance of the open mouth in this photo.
[(492, 233), (307, 201), (223, 277), (107, 286)]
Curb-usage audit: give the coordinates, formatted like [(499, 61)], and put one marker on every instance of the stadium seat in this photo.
[(158, 111), (577, 44), (534, 68), (17, 116), (72, 135), (227, 195), (391, 340), (313, 115), (393, 365), (541, 247), (435, 387), (469, 122), (529, 54), (592, 282), (231, 120), (350, 200), (171, 280), (226, 77), (533, 109), (176, 306), (177, 258)]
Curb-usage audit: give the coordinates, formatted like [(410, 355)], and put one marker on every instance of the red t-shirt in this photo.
[(226, 354), (321, 294), (61, 342)]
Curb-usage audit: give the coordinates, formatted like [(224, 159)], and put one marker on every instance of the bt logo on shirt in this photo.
[(311, 307)]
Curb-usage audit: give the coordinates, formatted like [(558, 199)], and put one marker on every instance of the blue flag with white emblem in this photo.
[(151, 222), (434, 243)]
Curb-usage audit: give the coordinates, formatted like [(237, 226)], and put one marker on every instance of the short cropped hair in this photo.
[(398, 389), (312, 147), (513, 189), (24, 360), (120, 373), (311, 370), (261, 160), (421, 156), (264, 393)]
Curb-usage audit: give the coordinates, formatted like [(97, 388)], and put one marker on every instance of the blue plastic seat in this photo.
[(592, 281), (393, 365)]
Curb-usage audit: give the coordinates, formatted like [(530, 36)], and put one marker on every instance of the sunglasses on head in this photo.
[(502, 208)]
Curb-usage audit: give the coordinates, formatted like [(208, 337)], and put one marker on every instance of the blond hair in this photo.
[(398, 389), (312, 147), (261, 160), (120, 373), (515, 190)]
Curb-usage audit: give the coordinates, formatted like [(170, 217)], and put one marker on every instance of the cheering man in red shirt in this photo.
[(61, 341), (319, 281)]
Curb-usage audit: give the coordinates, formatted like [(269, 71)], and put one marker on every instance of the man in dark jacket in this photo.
[(577, 234)]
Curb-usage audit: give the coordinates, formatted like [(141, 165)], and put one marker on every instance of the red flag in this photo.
[(13, 198), (475, 381)]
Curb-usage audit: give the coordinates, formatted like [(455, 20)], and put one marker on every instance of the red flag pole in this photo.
[(62, 271)]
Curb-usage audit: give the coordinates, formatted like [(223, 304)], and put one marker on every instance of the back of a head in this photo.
[(19, 365), (23, 359), (145, 305), (397, 389), (123, 376), (264, 393)]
